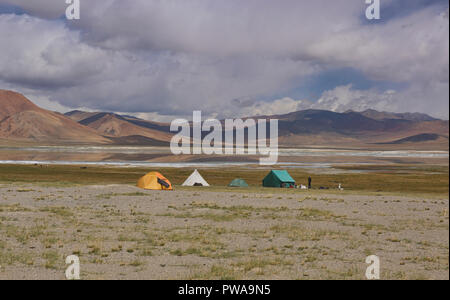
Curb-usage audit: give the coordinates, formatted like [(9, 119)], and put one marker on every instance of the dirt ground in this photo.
[(121, 232)]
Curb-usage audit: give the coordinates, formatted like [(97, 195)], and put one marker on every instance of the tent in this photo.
[(154, 181), (238, 183), (279, 179), (195, 180)]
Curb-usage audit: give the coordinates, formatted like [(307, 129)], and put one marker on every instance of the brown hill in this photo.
[(78, 115), (370, 129), (117, 126), (13, 103), (423, 137), (20, 119), (377, 115)]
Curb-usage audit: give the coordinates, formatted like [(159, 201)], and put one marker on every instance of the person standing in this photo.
[(309, 182)]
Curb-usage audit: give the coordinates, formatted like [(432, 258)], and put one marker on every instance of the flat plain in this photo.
[(122, 232)]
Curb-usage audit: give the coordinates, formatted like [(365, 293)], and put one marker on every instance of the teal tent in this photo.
[(238, 183), (279, 179)]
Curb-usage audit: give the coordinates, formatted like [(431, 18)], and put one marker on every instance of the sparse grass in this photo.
[(136, 263), (206, 216), (12, 257), (313, 213), (52, 259), (111, 195), (59, 211), (13, 208), (299, 233), (23, 235), (241, 269), (261, 263), (222, 233), (413, 179), (219, 272)]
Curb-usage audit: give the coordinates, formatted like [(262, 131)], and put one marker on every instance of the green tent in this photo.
[(279, 179), (238, 183)]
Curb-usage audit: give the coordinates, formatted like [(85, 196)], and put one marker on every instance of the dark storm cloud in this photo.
[(174, 56)]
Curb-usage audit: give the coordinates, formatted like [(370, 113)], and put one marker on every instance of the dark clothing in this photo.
[(309, 182)]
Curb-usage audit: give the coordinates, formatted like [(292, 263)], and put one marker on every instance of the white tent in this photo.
[(195, 180)]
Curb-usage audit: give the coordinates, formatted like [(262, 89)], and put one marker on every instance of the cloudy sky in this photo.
[(228, 58)]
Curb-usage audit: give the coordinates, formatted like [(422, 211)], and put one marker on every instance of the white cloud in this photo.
[(343, 98), (339, 99), (45, 54), (277, 107), (171, 57), (76, 74)]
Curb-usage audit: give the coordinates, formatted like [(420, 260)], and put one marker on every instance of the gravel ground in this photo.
[(121, 232)]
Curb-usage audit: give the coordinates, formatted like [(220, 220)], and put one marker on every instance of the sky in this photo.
[(163, 59)]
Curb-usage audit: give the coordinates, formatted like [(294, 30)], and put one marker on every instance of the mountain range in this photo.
[(21, 121)]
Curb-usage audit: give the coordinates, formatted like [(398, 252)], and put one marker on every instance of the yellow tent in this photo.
[(154, 181)]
